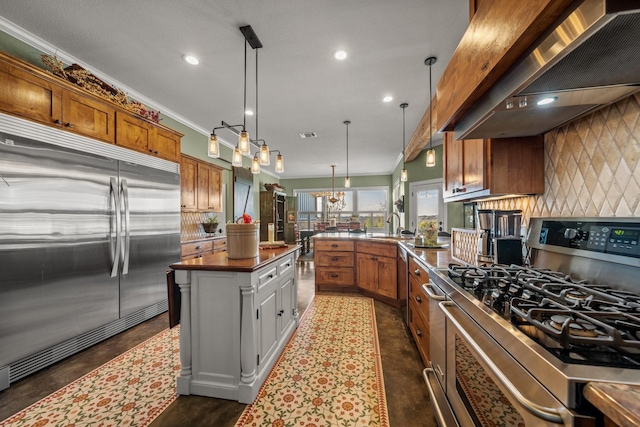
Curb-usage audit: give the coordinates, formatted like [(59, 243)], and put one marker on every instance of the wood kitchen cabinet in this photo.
[(334, 262), (199, 248), (377, 268), (34, 94), (200, 186), (419, 309), (492, 167), (138, 134), (273, 210)]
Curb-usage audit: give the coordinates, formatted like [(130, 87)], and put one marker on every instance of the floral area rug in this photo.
[(330, 373), (130, 390)]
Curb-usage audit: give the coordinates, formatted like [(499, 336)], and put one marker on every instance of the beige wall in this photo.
[(592, 167)]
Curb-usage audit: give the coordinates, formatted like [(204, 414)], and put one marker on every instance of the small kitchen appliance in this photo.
[(531, 337), (499, 240)]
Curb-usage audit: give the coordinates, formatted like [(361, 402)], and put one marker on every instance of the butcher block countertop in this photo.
[(221, 262), (619, 402)]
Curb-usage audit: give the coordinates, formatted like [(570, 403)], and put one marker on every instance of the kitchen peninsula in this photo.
[(236, 317)]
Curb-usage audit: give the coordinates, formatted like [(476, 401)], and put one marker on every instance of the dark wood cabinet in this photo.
[(334, 262), (492, 167), (88, 116), (377, 267), (138, 134), (419, 309), (272, 211)]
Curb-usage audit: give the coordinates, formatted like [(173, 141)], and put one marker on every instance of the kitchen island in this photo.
[(236, 317)]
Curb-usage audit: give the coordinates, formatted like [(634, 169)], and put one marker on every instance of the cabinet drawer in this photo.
[(220, 243), (333, 245), (334, 259), (335, 276), (196, 248), (418, 297), (420, 330), (381, 249), (267, 275), (417, 271), (285, 265)]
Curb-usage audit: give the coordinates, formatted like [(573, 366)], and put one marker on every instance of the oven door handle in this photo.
[(428, 288), (432, 394), (549, 414)]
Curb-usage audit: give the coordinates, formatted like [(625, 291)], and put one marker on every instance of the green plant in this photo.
[(213, 220)]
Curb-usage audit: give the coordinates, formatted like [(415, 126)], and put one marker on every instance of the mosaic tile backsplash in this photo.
[(592, 167)]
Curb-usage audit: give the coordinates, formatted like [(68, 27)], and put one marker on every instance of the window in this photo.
[(367, 206), (427, 206)]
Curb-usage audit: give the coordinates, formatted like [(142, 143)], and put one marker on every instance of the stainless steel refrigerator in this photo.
[(87, 232)]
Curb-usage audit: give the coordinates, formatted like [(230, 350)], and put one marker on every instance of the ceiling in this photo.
[(139, 47)]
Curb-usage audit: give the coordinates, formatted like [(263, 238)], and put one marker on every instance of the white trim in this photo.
[(433, 184)]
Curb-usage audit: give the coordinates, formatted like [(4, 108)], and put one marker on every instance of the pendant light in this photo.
[(431, 153), (243, 139), (279, 162), (347, 180), (256, 162), (213, 150), (403, 175)]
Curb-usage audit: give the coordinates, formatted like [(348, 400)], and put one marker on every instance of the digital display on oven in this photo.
[(607, 237)]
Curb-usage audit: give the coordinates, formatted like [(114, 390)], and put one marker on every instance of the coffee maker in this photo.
[(499, 240)]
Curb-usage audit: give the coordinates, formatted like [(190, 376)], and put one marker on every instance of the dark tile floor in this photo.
[(407, 396)]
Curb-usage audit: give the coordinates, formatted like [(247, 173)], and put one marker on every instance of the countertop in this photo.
[(220, 261), (619, 402)]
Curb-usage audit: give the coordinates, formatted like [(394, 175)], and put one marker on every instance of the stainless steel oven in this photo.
[(522, 341)]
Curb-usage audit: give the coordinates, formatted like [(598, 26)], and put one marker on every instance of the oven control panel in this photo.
[(607, 237)]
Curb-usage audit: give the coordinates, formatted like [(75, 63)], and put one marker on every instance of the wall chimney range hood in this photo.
[(589, 59)]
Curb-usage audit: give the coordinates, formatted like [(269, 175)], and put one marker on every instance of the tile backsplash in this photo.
[(592, 167)]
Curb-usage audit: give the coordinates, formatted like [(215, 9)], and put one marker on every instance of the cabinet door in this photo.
[(464, 165), (208, 188), (452, 164), (188, 172), (387, 277), (367, 272), (133, 132), (268, 332), (165, 144), (29, 96), (87, 116), (287, 304)]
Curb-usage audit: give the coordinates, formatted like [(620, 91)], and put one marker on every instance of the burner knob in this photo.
[(570, 233)]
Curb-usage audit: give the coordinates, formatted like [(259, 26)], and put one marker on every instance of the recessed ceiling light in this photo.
[(387, 99), (191, 59), (545, 101), (340, 55), (249, 113)]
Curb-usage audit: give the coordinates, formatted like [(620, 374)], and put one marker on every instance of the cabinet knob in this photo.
[(281, 312), (270, 276), (419, 332), (69, 125), (417, 272), (334, 275), (419, 299), (335, 245), (334, 258), (373, 258), (198, 247), (57, 121)]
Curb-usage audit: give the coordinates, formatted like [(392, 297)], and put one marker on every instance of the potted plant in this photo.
[(211, 225)]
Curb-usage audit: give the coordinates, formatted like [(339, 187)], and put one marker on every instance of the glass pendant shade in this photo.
[(264, 155), (214, 148), (243, 142), (347, 182), (236, 160), (279, 164), (403, 175), (431, 158), (255, 165)]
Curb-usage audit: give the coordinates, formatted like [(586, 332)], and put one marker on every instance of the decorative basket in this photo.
[(243, 240), (210, 227)]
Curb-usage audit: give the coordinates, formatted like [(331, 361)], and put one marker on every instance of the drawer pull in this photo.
[(334, 258), (270, 276), (69, 125), (198, 247), (287, 265), (419, 299), (417, 272), (374, 258), (335, 245), (334, 275), (419, 333)]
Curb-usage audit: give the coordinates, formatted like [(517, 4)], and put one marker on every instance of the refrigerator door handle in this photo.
[(116, 210), (127, 227)]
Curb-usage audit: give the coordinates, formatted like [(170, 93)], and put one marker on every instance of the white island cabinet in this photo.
[(236, 317)]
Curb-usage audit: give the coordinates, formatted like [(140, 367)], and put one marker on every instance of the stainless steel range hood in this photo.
[(591, 58)]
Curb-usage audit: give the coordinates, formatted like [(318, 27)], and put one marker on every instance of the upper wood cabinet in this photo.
[(138, 134), (34, 94), (479, 61), (200, 185), (492, 167)]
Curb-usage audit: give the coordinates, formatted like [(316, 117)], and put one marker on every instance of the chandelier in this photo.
[(335, 200)]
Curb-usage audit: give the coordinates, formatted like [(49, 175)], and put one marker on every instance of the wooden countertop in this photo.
[(220, 261), (619, 402)]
